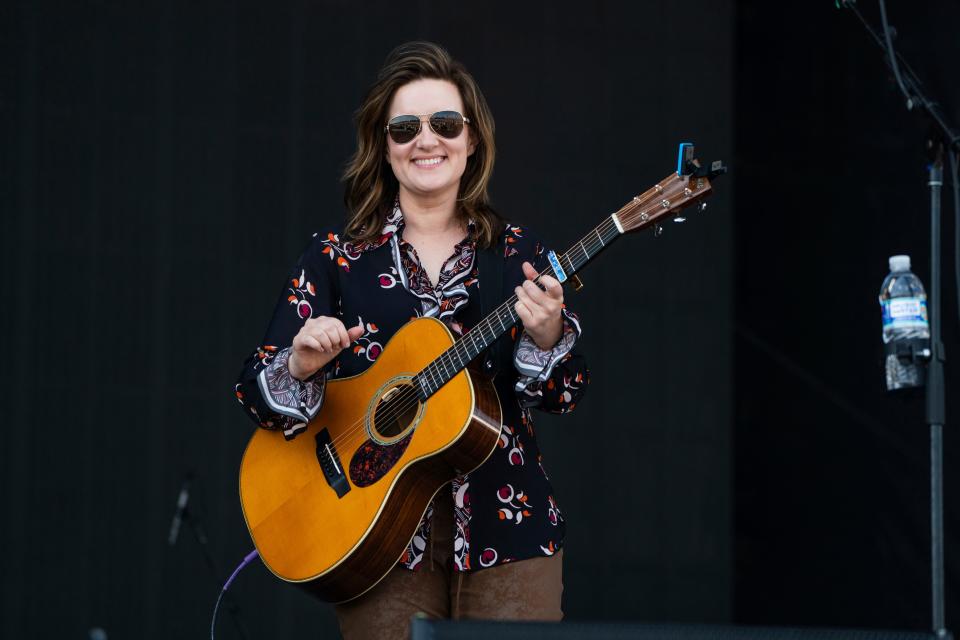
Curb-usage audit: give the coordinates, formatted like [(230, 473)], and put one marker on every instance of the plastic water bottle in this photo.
[(904, 305)]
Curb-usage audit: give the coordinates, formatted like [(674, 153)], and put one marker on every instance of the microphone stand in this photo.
[(184, 514), (942, 138)]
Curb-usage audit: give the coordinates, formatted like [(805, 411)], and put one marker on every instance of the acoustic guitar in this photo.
[(334, 509)]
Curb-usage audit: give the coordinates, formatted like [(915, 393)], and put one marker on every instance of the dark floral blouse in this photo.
[(505, 509)]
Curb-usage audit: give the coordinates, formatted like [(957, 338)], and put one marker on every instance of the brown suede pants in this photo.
[(524, 590)]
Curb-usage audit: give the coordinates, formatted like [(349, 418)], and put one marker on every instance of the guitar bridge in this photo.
[(330, 464)]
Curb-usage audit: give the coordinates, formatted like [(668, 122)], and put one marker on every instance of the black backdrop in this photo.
[(166, 164), (162, 165)]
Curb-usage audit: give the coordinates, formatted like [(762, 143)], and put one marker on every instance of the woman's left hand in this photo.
[(540, 309)]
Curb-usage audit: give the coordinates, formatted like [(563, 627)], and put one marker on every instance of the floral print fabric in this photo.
[(505, 509)]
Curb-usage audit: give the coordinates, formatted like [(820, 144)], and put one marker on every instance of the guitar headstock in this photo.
[(689, 185)]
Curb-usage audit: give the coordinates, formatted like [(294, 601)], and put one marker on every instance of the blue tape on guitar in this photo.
[(557, 269)]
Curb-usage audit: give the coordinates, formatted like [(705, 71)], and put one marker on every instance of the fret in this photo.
[(416, 380), (472, 339), (460, 358), (578, 262), (599, 237), (584, 249), (478, 347), (456, 353)]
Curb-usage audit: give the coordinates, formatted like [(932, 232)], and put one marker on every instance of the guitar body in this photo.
[(334, 509)]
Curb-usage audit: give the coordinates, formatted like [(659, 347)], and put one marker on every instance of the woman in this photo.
[(418, 218)]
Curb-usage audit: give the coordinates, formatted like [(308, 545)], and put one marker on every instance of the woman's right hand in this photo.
[(318, 342)]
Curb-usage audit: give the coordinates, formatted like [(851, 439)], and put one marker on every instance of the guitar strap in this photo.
[(499, 355)]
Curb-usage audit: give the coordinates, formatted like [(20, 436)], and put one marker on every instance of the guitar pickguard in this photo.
[(372, 460)]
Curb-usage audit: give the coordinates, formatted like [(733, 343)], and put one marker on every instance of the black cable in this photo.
[(906, 77), (893, 55)]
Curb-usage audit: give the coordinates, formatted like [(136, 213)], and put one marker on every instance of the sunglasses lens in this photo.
[(404, 128), (448, 124)]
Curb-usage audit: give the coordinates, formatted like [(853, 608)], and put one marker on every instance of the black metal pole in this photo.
[(943, 138), (936, 405)]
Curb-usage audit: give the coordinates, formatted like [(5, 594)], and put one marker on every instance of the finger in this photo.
[(553, 287), (524, 312), (523, 296), (324, 340), (534, 311), (355, 332), (344, 337), (529, 271), (535, 293), (310, 342)]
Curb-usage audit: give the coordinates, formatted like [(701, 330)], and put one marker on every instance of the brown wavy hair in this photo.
[(371, 187)]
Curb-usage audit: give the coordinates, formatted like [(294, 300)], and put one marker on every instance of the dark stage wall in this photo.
[(162, 167), (832, 479)]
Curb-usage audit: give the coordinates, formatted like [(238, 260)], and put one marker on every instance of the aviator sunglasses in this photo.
[(446, 124)]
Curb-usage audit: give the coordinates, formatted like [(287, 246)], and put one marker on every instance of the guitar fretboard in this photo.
[(474, 342)]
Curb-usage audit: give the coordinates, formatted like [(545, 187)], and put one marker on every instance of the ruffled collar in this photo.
[(394, 224)]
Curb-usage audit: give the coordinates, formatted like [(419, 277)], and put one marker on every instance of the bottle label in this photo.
[(905, 313)]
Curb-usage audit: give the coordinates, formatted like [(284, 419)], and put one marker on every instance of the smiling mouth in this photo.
[(429, 162)]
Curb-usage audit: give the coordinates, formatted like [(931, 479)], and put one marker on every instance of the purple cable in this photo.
[(226, 585), (247, 560)]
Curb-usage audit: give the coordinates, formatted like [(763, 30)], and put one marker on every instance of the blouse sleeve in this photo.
[(552, 380), (272, 397)]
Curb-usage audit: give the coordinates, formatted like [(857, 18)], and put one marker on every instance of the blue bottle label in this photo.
[(905, 313)]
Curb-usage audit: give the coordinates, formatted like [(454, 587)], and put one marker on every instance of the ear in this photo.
[(471, 143)]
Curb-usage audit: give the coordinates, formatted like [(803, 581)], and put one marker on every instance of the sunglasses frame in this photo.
[(429, 117)]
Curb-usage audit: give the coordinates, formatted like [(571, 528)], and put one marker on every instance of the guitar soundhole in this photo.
[(395, 412)]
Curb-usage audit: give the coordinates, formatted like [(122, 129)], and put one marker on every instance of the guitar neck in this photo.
[(474, 342)]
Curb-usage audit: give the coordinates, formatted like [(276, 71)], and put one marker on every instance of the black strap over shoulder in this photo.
[(497, 357)]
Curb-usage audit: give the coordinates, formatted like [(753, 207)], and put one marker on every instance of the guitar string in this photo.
[(445, 359), (628, 212)]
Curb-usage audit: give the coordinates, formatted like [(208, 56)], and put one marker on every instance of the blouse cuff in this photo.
[(535, 364), (297, 400)]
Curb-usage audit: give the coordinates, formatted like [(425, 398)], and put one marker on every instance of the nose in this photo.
[(426, 138)]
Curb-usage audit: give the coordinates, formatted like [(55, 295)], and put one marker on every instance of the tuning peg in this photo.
[(679, 218), (702, 207), (657, 230)]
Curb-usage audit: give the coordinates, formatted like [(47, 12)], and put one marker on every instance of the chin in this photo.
[(432, 186)]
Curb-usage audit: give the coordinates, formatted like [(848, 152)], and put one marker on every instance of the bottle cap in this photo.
[(899, 263)]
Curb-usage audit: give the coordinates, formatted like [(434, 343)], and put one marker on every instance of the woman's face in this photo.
[(429, 166)]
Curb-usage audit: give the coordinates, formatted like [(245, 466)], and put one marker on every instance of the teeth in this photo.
[(427, 162)]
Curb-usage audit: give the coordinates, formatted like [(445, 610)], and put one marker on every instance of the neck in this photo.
[(429, 215)]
